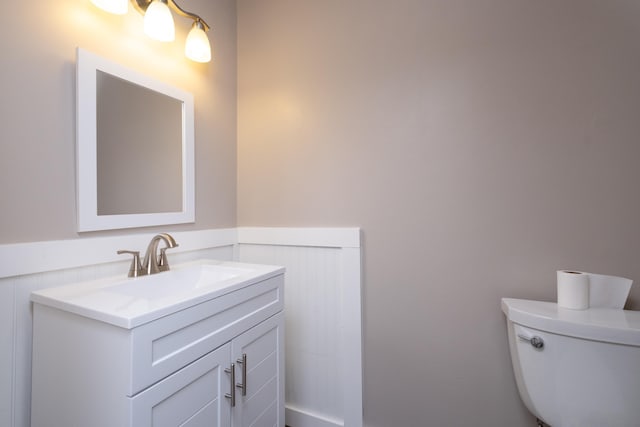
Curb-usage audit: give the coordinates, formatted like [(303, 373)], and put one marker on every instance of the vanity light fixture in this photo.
[(197, 46), (158, 24)]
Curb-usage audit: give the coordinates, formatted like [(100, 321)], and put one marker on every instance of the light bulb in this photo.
[(197, 47), (117, 7), (158, 22)]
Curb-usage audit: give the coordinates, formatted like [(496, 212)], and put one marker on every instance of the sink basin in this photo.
[(184, 279), (130, 302)]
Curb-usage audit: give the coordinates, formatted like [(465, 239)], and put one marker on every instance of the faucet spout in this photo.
[(153, 263)]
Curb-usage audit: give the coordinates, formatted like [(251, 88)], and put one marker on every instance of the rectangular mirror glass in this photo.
[(135, 148)]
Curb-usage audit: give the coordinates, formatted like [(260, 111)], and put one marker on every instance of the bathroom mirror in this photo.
[(135, 148)]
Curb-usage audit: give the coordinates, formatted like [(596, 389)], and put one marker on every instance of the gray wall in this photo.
[(481, 145), (37, 153)]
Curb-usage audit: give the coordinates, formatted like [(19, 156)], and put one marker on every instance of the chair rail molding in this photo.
[(36, 257)]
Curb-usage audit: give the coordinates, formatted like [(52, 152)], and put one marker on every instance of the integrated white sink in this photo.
[(130, 302), (182, 280)]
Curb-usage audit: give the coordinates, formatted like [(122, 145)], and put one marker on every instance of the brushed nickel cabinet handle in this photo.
[(232, 372), (243, 385)]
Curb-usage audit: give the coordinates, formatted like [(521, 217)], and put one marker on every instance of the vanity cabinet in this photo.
[(219, 363), (200, 394)]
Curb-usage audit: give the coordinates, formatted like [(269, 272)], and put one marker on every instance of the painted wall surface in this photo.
[(481, 146), (37, 154)]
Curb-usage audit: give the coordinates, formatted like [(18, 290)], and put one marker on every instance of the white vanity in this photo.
[(200, 345)]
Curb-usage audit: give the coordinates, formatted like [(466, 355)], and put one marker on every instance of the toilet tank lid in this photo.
[(599, 324)]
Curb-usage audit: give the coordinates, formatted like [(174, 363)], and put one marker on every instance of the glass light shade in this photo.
[(117, 7), (197, 47), (158, 22)]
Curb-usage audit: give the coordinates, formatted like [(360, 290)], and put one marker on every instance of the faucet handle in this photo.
[(136, 269), (163, 261)]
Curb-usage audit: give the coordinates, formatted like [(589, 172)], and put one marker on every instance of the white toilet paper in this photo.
[(573, 290), (608, 291)]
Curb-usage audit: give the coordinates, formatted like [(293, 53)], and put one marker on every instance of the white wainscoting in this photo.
[(323, 319), (324, 359), (28, 258)]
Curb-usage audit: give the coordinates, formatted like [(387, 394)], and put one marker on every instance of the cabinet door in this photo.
[(258, 355), (192, 397)]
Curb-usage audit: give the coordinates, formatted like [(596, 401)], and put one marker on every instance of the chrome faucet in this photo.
[(153, 263)]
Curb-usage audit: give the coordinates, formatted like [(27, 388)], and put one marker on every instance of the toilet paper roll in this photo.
[(608, 291), (573, 290)]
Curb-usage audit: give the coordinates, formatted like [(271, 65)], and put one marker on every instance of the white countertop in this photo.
[(131, 302)]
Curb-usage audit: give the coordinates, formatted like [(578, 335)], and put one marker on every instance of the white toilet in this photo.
[(576, 368)]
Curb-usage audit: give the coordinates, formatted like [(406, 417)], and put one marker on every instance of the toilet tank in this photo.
[(587, 373)]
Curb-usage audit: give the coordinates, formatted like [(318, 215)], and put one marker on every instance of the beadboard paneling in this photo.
[(7, 333), (323, 327), (313, 324)]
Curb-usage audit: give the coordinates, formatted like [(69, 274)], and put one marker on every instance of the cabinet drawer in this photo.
[(166, 345)]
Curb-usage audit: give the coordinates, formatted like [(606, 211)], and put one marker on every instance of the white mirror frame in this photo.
[(86, 149)]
